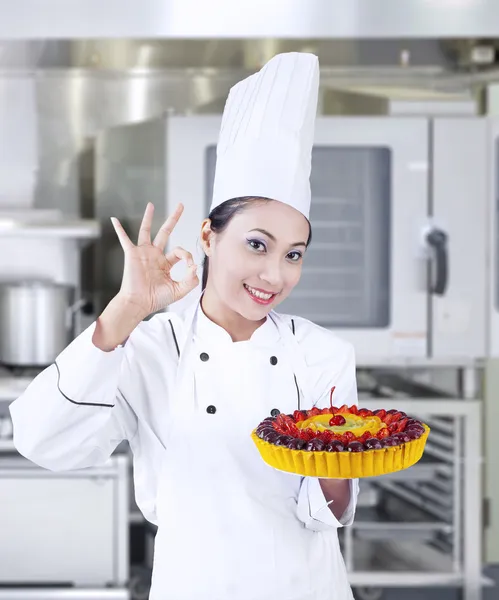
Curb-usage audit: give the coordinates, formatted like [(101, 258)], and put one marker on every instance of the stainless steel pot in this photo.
[(36, 322)]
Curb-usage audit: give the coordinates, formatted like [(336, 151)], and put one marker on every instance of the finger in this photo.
[(145, 226), (125, 241), (187, 284), (168, 226), (178, 254)]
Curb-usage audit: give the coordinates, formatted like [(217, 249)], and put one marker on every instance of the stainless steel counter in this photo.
[(64, 594), (11, 387)]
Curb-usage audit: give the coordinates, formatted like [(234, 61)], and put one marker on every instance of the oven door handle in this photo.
[(437, 240)]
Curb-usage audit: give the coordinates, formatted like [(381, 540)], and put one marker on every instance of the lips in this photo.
[(258, 296)]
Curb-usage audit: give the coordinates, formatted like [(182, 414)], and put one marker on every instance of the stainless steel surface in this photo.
[(418, 532), (122, 510), (375, 191), (18, 151), (80, 231), (491, 383), (416, 500), (457, 494), (472, 504), (76, 106), (439, 60), (69, 529), (286, 18), (216, 53), (129, 168), (411, 580), (85, 89), (491, 410), (394, 100), (17, 466), (49, 593), (34, 322), (89, 170), (458, 175), (12, 386), (422, 471), (460, 521), (442, 440), (361, 228)]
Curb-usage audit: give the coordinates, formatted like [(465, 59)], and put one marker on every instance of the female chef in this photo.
[(186, 389)]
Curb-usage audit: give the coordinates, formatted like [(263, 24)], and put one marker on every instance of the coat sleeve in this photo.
[(75, 412), (339, 371)]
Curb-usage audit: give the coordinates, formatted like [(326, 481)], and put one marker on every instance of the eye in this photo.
[(257, 245), (295, 256)]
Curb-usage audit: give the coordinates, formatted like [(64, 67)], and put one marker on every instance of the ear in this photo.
[(207, 237)]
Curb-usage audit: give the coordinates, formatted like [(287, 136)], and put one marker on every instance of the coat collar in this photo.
[(196, 322), (288, 342)]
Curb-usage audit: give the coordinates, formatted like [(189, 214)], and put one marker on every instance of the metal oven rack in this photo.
[(422, 527)]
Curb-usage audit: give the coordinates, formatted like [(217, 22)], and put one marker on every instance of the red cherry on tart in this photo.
[(337, 438), (337, 420)]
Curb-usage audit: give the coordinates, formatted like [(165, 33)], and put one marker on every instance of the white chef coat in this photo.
[(186, 398)]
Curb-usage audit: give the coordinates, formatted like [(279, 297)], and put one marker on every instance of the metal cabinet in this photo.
[(66, 528)]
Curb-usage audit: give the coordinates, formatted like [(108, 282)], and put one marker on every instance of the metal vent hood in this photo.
[(247, 19)]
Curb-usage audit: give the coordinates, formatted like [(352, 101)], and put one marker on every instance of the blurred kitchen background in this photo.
[(106, 106)]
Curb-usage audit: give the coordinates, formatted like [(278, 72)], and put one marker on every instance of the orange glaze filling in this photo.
[(354, 423)]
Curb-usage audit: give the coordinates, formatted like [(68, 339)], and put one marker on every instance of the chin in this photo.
[(252, 311), (255, 314)]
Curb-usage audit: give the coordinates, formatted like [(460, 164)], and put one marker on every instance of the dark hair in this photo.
[(221, 216)]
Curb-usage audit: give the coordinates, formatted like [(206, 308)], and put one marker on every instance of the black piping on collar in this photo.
[(296, 382), (174, 338)]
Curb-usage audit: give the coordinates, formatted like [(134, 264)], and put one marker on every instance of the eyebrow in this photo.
[(273, 238)]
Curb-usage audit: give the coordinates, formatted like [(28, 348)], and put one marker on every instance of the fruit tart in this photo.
[(341, 442)]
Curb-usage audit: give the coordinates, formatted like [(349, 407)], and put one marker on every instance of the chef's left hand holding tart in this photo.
[(341, 442)]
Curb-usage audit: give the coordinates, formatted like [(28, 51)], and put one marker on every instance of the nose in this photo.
[(272, 273)]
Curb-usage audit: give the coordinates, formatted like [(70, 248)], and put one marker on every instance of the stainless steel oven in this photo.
[(398, 259)]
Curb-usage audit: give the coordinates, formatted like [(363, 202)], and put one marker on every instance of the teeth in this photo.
[(258, 294)]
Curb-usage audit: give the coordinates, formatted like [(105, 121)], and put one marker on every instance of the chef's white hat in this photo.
[(265, 143)]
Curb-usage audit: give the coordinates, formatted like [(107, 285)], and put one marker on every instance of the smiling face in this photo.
[(256, 261)]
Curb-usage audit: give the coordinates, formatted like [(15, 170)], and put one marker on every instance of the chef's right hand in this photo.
[(147, 284)]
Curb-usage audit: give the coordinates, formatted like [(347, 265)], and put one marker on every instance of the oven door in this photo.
[(364, 275), (458, 207)]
